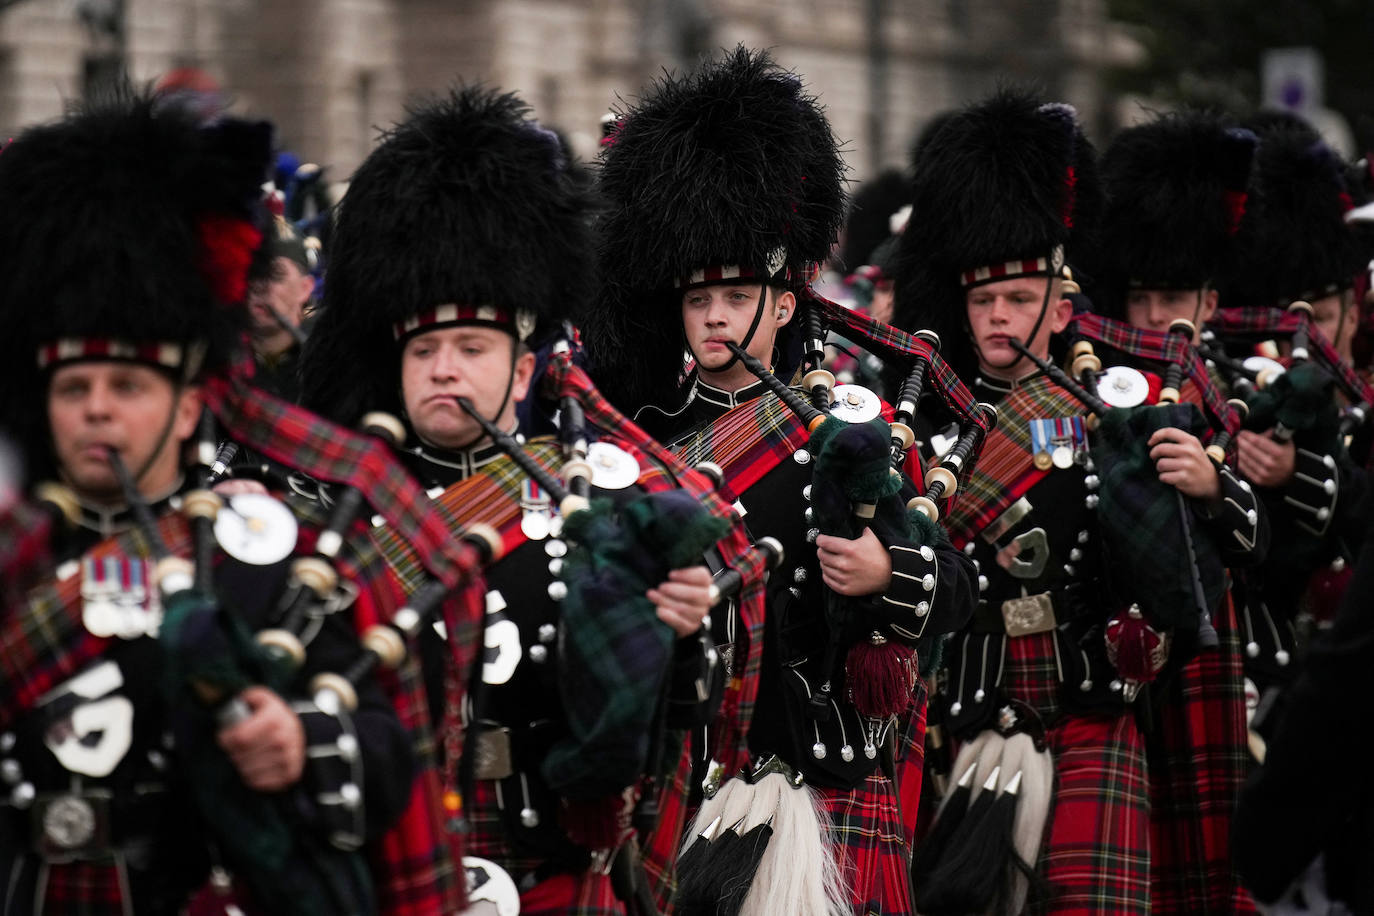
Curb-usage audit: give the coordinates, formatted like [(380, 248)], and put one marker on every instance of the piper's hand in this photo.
[(236, 486), (684, 600), (267, 748), (1181, 463), (1264, 461), (858, 567)]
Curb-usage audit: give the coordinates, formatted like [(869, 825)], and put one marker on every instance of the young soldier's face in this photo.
[(1329, 313), (440, 366), (712, 315), (1156, 309), (98, 406), (1007, 309)]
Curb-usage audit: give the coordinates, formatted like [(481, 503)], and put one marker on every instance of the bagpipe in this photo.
[(1295, 397), (756, 843)]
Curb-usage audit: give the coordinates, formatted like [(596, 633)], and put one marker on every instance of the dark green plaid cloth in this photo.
[(1142, 519)]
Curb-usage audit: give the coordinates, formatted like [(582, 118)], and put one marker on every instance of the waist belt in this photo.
[(1038, 613)]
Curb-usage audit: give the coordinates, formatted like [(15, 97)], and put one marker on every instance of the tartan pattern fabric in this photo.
[(1005, 470), (1162, 348), (1096, 855), (896, 345), (659, 853), (1198, 759), (1261, 323), (1142, 519), (413, 862), (869, 838), (911, 761), (83, 888), (747, 441), (589, 894)]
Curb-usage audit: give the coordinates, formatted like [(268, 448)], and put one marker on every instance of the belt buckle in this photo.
[(1029, 614), (68, 826), (492, 757)]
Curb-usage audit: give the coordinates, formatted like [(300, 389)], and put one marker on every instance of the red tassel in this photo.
[(881, 676), (601, 823), (1136, 649)]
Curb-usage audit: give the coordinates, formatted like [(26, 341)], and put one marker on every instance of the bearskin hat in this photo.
[(468, 212), (1176, 191), (1294, 242), (131, 230), (734, 166), (1005, 188), (870, 217)]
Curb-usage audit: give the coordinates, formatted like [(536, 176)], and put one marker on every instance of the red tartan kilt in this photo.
[(571, 895), (1198, 759), (83, 889), (1096, 855), (875, 860)]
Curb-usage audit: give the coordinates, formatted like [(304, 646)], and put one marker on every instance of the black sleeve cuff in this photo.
[(906, 605), (1313, 491), (1239, 524), (332, 781)]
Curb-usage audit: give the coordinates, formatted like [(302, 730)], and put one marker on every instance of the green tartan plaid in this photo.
[(1142, 518)]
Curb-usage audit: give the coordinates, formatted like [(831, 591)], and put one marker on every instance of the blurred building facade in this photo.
[(330, 72)]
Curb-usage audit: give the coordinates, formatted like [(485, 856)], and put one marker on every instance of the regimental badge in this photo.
[(118, 598), (1058, 442), (538, 511)]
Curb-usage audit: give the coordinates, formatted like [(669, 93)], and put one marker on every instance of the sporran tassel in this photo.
[(881, 676)]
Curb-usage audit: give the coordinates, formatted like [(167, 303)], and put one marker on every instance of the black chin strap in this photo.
[(748, 336), (1040, 319)]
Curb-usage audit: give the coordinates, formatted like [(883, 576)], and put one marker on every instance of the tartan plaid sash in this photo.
[(1259, 323), (1005, 471)]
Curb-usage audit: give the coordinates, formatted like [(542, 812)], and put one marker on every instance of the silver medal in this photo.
[(1062, 456), (535, 524)]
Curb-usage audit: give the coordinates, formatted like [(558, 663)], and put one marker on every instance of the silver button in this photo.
[(968, 548), (1091, 482), (558, 590), (1075, 555), (1329, 486), (555, 548), (547, 632), (539, 654), (23, 795), (10, 771), (351, 795), (818, 750), (801, 456), (1251, 516), (1322, 514), (1090, 500), (809, 515), (922, 608), (928, 582), (556, 566), (982, 583), (812, 534), (529, 817), (7, 742), (926, 553), (799, 574), (348, 747), (806, 491), (1083, 536)]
